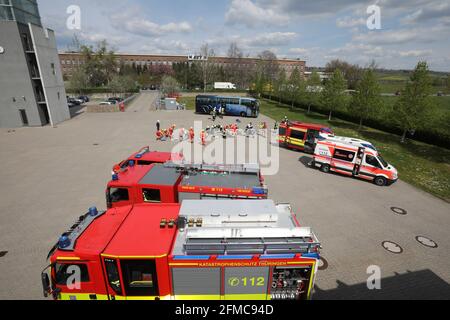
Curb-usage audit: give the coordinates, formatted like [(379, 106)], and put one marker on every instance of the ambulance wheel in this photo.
[(325, 168), (380, 181)]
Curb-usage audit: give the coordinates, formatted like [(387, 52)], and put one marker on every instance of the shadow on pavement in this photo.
[(77, 111), (306, 161), (420, 285)]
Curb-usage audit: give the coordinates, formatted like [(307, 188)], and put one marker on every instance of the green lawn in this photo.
[(422, 165)]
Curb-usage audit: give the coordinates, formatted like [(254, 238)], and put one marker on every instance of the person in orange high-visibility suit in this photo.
[(203, 137), (191, 135), (159, 135), (171, 129)]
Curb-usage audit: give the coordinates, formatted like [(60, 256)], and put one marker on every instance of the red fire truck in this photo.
[(175, 182), (354, 157), (301, 136), (145, 157), (218, 250)]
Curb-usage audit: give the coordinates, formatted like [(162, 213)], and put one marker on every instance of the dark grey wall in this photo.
[(15, 81)]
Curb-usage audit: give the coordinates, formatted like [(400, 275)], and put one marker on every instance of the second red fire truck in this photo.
[(175, 182)]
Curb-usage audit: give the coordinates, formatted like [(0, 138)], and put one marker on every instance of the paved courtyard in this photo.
[(50, 176)]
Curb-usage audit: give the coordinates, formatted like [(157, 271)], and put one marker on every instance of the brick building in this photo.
[(71, 61)]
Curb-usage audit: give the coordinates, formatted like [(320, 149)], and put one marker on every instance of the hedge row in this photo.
[(431, 135), (96, 90)]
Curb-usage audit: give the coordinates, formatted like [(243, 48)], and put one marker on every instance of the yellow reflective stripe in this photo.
[(82, 296), (246, 297), (68, 259), (149, 298), (197, 297), (311, 281)]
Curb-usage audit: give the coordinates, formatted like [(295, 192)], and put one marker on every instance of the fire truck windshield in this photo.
[(118, 195)]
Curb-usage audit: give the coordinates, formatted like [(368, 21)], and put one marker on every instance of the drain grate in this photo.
[(392, 247), (399, 211), (323, 264), (3, 253), (427, 242)]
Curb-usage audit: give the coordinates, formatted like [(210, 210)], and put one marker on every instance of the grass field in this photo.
[(424, 166)]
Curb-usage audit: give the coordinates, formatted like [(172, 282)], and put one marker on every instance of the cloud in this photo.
[(350, 22), (439, 11), (248, 13), (299, 51), (415, 53), (132, 21)]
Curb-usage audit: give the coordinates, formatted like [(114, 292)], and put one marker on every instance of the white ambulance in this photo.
[(353, 157)]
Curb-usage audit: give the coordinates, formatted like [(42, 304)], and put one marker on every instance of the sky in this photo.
[(316, 31)]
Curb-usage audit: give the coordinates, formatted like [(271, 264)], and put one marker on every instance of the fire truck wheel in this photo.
[(380, 181), (325, 168)]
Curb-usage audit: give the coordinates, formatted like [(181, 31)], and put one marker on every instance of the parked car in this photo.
[(440, 94), (115, 99), (75, 102), (84, 98), (107, 103)]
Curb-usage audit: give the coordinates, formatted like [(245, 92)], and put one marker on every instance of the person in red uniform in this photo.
[(191, 135), (159, 135), (203, 137)]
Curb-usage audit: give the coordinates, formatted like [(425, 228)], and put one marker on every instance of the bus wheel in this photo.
[(380, 181), (325, 168), (243, 114)]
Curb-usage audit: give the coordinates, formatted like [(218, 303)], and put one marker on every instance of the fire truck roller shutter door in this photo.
[(297, 138), (196, 284), (246, 283)]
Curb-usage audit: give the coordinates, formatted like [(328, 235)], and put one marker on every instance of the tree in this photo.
[(169, 85), (367, 97), (296, 87), (414, 102), (79, 81), (352, 72), (234, 71), (100, 64), (448, 81), (334, 96), (281, 84), (313, 89), (269, 68), (122, 84), (207, 66)]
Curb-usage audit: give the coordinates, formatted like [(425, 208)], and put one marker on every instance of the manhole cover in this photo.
[(392, 247), (427, 242), (96, 144), (323, 264), (3, 253), (399, 211)]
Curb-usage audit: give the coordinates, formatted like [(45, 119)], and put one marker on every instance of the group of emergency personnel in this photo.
[(233, 130)]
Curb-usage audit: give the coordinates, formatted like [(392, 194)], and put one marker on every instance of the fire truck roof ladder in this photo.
[(239, 168)]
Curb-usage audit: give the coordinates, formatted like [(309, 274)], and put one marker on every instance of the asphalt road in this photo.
[(50, 176)]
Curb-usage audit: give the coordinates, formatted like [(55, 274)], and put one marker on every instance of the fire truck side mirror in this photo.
[(45, 284)]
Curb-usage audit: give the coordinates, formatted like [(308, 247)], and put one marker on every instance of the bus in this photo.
[(234, 106)]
